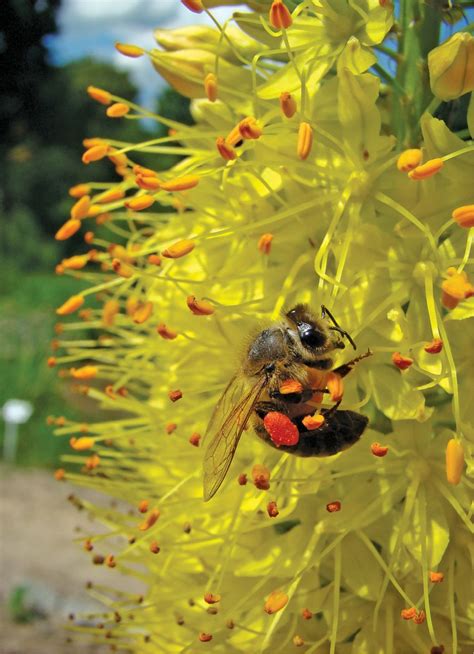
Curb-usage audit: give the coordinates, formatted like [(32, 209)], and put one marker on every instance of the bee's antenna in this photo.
[(324, 311)]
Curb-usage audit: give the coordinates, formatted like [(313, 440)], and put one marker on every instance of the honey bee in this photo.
[(299, 351)]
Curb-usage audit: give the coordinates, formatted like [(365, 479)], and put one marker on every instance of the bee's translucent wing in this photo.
[(228, 421)]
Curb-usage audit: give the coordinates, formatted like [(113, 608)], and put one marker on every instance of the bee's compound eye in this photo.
[(311, 336)]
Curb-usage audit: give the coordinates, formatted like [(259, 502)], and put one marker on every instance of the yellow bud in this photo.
[(279, 15), (210, 86), (451, 67), (454, 461)]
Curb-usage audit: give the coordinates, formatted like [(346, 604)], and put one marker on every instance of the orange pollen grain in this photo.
[(276, 601), (427, 169), (85, 314), (408, 614), (79, 190), (110, 196), (279, 15), (436, 577), (150, 520), (82, 443), (181, 183), (142, 313), (166, 332), (210, 87), (454, 461), (288, 104), (193, 5), (143, 506), (211, 598), (99, 95), (203, 637), (401, 361), (226, 151), (117, 110), (333, 507), (144, 172), (409, 159), (176, 395), (199, 307), (128, 50), (179, 249), (305, 140), (272, 509), (335, 385), (434, 347), (313, 422), (140, 202), (290, 386), (194, 439), (264, 244), (249, 128), (71, 305), (464, 216), (69, 228), (378, 450), (95, 153)]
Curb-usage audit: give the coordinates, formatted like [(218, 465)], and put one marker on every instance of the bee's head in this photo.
[(313, 332)]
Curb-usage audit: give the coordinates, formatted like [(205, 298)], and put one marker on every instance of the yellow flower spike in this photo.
[(71, 305), (99, 95), (335, 384), (109, 312), (199, 307), (142, 313), (140, 202), (129, 50), (109, 196), (276, 601), (76, 262), (464, 216), (193, 5), (166, 332), (288, 104), (117, 110), (454, 461), (264, 244), (226, 151), (67, 230), (249, 128), (305, 140), (210, 87), (84, 372), (427, 169), (79, 190), (409, 159), (181, 183), (179, 249), (122, 268), (451, 67), (81, 208), (279, 15), (82, 443), (95, 153)]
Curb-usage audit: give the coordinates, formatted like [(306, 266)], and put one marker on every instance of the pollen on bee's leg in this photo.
[(272, 509), (261, 476), (276, 601), (290, 386), (335, 385), (281, 429), (313, 422)]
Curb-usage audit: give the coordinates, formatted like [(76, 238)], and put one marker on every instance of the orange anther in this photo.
[(79, 190), (179, 249), (110, 310), (401, 361), (89, 237), (76, 262), (85, 314), (71, 305), (306, 614), (171, 427), (249, 128), (51, 361), (261, 476), (419, 618), (144, 172), (59, 474), (313, 422), (288, 104), (427, 169), (242, 479), (335, 385), (82, 443), (150, 520), (211, 598), (226, 151), (110, 561), (110, 196), (279, 15), (175, 395), (454, 461), (131, 304), (378, 450), (140, 202), (80, 209), (265, 243), (123, 269), (154, 547), (92, 462), (436, 577), (154, 259), (117, 110), (456, 288), (181, 183), (464, 216), (142, 313), (69, 228), (87, 545), (210, 86), (128, 50), (194, 439), (99, 95), (143, 506), (333, 507), (434, 347), (409, 159), (408, 614), (85, 372), (305, 140), (272, 509), (298, 641), (95, 153), (276, 601), (203, 637), (199, 307), (148, 183), (166, 332)]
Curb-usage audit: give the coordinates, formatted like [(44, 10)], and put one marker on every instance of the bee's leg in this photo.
[(325, 311), (347, 367)]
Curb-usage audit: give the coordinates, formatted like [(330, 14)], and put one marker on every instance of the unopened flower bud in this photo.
[(451, 67)]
